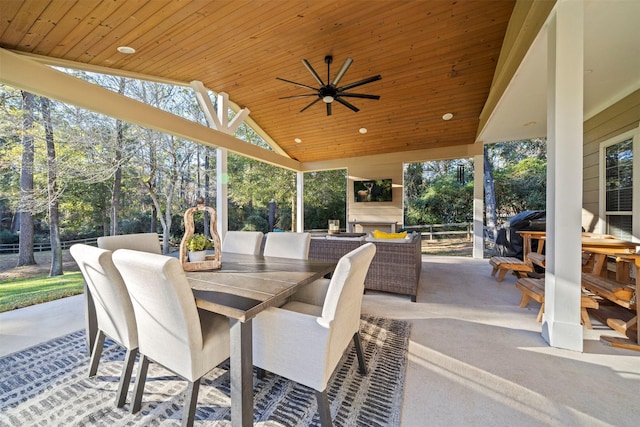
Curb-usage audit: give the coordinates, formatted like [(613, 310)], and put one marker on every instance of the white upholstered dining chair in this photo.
[(242, 242), (113, 309), (303, 341), (145, 242), (287, 245), (172, 331)]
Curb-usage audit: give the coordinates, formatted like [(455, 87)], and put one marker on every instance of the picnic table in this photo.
[(597, 249)]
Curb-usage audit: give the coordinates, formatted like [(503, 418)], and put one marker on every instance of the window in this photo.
[(618, 160)]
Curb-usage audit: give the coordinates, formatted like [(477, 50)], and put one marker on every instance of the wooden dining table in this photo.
[(601, 248), (598, 246), (244, 286)]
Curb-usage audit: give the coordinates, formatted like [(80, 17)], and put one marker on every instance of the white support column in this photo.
[(561, 322), (299, 202), (478, 206), (222, 192)]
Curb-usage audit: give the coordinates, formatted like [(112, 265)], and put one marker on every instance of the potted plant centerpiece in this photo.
[(197, 246)]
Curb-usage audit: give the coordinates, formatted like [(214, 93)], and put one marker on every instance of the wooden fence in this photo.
[(434, 230), (13, 248)]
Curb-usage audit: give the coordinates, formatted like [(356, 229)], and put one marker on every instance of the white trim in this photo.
[(478, 206), (634, 135)]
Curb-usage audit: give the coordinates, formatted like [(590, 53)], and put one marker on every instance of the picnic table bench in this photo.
[(502, 265), (622, 294), (534, 289)]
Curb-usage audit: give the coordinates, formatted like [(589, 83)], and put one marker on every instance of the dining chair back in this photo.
[(287, 245), (171, 330), (242, 242), (303, 341), (145, 242), (113, 309)]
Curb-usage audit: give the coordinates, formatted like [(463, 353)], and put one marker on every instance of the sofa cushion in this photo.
[(377, 234)]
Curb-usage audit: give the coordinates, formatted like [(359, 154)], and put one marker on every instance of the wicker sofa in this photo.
[(395, 267)]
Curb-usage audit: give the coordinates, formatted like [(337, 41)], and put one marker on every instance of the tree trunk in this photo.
[(272, 215), (154, 219), (25, 256), (52, 188), (114, 211), (489, 197)]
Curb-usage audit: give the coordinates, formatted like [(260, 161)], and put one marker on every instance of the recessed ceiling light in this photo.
[(362, 130), (298, 140), (127, 50), (447, 116)]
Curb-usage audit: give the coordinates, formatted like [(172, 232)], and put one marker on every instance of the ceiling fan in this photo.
[(330, 91)]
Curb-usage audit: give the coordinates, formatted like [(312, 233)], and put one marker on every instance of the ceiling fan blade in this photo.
[(297, 84), (345, 67), (313, 72), (347, 104), (298, 96), (360, 83), (328, 108), (313, 102), (358, 95)]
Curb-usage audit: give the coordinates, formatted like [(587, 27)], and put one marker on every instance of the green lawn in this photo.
[(25, 292)]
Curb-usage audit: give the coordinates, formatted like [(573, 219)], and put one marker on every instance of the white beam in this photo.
[(23, 73), (561, 321), (478, 206), (146, 77), (414, 156), (202, 95), (300, 202)]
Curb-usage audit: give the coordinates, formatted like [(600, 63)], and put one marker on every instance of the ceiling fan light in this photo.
[(328, 99)]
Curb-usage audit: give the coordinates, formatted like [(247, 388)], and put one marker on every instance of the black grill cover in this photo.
[(509, 242)]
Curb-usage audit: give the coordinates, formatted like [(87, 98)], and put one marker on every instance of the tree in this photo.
[(489, 197), (519, 175), (324, 198), (439, 192), (25, 256), (52, 186)]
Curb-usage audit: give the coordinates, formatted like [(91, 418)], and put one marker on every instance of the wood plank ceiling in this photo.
[(435, 57)]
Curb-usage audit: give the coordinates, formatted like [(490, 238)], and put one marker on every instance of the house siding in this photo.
[(621, 117)]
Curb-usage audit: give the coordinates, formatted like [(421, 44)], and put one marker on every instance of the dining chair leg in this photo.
[(141, 378), (125, 377), (260, 373), (98, 343), (324, 410), (358, 345), (189, 414)]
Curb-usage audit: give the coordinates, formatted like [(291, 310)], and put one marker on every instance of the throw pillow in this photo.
[(377, 234)]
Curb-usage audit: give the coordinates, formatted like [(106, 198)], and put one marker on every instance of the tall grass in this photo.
[(24, 292)]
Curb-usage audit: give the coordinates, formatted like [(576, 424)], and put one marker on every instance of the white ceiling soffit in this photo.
[(611, 64)]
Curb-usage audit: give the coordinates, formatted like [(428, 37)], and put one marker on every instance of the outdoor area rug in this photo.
[(48, 385)]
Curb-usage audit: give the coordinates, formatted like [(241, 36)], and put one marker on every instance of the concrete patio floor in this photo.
[(475, 357)]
